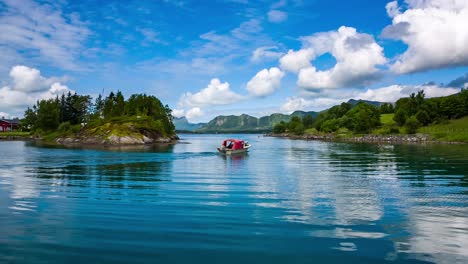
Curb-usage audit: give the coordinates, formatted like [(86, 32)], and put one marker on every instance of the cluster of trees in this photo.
[(297, 125), (49, 114), (416, 111), (387, 108), (410, 113), (361, 118), (115, 106), (74, 109)]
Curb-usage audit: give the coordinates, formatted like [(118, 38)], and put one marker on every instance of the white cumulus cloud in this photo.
[(194, 113), (392, 9), (327, 98), (27, 79), (216, 93), (357, 57), (27, 86), (178, 112), (56, 89), (298, 103), (394, 92), (436, 32), (294, 61), (265, 82), (295, 103)]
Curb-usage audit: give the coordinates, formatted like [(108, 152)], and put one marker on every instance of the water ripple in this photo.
[(285, 201)]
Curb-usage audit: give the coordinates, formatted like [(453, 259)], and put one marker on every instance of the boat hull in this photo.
[(232, 151)]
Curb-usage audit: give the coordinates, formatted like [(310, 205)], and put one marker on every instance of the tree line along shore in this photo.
[(412, 119), (143, 119), (76, 119)]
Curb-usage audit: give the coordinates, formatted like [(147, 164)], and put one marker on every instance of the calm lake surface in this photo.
[(287, 201)]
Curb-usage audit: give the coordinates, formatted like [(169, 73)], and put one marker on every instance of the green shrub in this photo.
[(64, 127), (394, 130), (329, 126), (280, 127), (298, 129), (423, 117), (412, 124), (400, 117)]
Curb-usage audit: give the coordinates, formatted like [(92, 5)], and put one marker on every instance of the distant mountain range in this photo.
[(238, 124), (182, 124), (246, 123)]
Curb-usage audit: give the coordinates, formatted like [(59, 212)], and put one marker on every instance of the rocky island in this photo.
[(74, 120)]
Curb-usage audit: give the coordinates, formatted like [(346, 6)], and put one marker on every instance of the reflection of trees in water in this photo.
[(365, 158), (122, 175), (161, 148), (134, 175), (100, 166), (415, 163), (439, 164), (437, 179), (116, 181), (69, 173)]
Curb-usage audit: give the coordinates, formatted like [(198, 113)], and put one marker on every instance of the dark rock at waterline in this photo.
[(416, 139), (115, 140)]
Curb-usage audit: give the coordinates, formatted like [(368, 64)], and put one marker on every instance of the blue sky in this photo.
[(206, 58)]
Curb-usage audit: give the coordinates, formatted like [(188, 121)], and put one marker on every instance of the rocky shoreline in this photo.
[(115, 140), (389, 139), (112, 140)]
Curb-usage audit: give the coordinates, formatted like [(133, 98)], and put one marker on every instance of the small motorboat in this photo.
[(234, 146)]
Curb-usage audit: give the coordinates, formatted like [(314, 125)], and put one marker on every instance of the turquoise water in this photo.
[(285, 202)]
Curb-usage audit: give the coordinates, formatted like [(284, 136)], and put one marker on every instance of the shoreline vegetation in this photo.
[(15, 135), (410, 120), (143, 120), (447, 132), (75, 120), (369, 138)]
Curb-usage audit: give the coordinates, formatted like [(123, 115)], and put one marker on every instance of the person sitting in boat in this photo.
[(229, 145)]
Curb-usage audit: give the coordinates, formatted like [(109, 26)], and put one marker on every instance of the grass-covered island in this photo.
[(75, 119), (412, 119)]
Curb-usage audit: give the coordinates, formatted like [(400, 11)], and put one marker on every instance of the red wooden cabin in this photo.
[(7, 125)]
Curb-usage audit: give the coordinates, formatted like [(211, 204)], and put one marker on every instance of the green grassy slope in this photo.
[(388, 127), (15, 134), (452, 130), (387, 119)]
